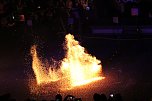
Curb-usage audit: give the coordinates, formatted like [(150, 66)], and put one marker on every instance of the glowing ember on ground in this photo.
[(76, 69)]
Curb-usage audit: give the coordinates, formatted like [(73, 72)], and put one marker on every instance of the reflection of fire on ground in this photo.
[(76, 69)]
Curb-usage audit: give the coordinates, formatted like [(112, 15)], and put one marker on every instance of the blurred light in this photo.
[(29, 23), (111, 95), (13, 17), (134, 11), (87, 8), (115, 19), (22, 18), (87, 18), (38, 7)]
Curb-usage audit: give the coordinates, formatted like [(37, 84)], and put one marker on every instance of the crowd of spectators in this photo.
[(68, 14), (74, 16), (58, 97), (72, 12)]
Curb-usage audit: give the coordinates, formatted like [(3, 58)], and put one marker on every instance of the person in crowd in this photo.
[(103, 97), (97, 97), (58, 97)]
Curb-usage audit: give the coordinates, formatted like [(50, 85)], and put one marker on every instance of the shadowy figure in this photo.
[(103, 97), (43, 100), (13, 100), (69, 98), (58, 97), (5, 97), (115, 97), (97, 97), (77, 99), (111, 97), (30, 99), (118, 97)]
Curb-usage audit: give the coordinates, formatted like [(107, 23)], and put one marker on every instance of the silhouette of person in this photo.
[(58, 97), (118, 97), (103, 97), (69, 98), (97, 97)]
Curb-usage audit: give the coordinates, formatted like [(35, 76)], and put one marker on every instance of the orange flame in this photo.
[(41, 73), (77, 68)]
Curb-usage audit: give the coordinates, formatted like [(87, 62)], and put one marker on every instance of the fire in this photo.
[(41, 73), (76, 69), (81, 67)]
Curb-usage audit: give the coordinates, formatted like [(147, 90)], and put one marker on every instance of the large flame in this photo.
[(81, 67), (77, 68)]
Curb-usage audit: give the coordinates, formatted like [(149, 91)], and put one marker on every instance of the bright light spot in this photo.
[(39, 7)]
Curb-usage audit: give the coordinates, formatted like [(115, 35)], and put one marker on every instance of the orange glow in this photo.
[(76, 69)]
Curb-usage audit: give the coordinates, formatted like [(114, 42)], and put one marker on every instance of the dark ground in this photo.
[(127, 63)]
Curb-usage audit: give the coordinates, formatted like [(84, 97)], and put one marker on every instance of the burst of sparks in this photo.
[(76, 69)]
